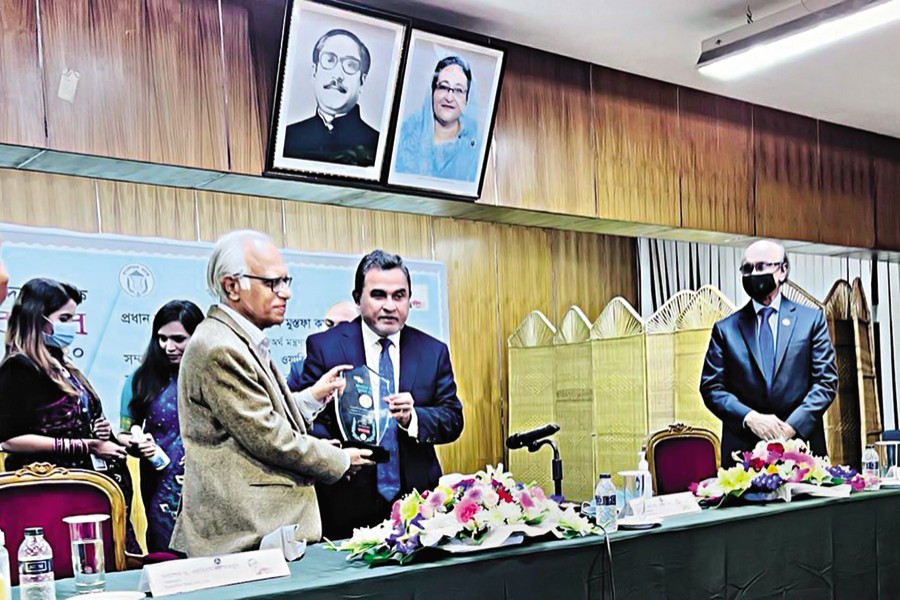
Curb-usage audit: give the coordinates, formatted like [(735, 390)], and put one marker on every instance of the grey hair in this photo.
[(229, 257)]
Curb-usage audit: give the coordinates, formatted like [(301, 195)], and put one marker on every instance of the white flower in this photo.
[(510, 511)]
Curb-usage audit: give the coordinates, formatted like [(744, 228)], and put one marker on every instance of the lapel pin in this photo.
[(786, 322)]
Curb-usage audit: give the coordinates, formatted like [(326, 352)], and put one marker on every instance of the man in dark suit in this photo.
[(338, 313), (336, 133), (769, 371), (416, 380)]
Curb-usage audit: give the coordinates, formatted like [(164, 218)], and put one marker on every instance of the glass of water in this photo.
[(86, 532)]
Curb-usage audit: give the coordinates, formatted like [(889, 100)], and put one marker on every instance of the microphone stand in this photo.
[(556, 463)]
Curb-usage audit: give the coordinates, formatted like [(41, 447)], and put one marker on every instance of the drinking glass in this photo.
[(634, 482), (86, 532)]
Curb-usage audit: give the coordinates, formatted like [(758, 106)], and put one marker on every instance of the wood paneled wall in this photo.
[(496, 274), (184, 82)]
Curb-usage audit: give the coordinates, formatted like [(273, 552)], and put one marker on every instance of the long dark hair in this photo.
[(155, 371), (37, 299)]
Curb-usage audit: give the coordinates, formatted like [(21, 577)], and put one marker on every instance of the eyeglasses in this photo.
[(445, 88), (276, 284), (329, 60), (748, 268)]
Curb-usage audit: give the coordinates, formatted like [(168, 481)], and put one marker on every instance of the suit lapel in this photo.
[(787, 319), (352, 344), (409, 362), (747, 325)]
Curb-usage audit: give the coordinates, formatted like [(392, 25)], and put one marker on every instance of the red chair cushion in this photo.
[(45, 505), (679, 462)]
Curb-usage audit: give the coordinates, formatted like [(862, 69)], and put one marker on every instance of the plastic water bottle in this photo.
[(605, 498), (160, 460), (5, 580), (36, 579), (870, 468)]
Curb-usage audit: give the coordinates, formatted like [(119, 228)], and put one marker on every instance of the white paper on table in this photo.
[(284, 539), (667, 505)]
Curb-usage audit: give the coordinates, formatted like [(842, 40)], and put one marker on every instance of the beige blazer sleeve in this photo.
[(232, 388)]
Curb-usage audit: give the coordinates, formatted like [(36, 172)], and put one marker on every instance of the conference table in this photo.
[(809, 548)]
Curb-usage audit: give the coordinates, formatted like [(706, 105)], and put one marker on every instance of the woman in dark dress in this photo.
[(150, 400), (48, 410)]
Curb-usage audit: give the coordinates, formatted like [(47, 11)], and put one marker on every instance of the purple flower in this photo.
[(769, 483), (408, 546), (464, 484), (842, 472)]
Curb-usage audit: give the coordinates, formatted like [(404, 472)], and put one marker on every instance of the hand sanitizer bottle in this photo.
[(644, 468), (160, 460)]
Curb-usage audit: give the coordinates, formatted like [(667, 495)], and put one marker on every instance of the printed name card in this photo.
[(667, 505), (179, 576)]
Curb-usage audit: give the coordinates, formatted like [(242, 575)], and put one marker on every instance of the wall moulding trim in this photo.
[(99, 167)]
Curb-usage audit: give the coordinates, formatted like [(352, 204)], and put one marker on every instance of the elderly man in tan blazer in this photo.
[(250, 465)]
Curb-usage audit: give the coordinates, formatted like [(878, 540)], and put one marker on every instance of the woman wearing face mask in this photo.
[(440, 140), (150, 401), (48, 410)]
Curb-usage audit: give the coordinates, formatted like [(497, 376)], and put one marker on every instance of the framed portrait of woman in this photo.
[(448, 102), (336, 90)]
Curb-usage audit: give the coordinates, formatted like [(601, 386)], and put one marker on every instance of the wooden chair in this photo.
[(681, 455), (41, 495)]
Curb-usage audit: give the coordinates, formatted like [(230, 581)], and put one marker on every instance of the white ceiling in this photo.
[(855, 82)]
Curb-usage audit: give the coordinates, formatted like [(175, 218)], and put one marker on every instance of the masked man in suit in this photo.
[(249, 464), (415, 379), (769, 371)]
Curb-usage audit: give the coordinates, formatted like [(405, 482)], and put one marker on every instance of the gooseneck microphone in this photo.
[(526, 438)]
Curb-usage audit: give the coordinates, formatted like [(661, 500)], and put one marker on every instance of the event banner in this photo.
[(125, 280)]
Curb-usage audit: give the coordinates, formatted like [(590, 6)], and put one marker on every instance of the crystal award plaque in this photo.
[(360, 417)]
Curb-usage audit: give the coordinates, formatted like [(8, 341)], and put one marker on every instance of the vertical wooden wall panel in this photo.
[(186, 85), (542, 137), (410, 236), (148, 210), (102, 41), (524, 284), (886, 169), (467, 249), (716, 157), (43, 200), (245, 137), (635, 124), (323, 228), (786, 156), (589, 270), (220, 213), (21, 99), (846, 196), (150, 81)]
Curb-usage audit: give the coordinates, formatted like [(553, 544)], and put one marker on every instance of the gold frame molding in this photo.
[(48, 474), (679, 430)]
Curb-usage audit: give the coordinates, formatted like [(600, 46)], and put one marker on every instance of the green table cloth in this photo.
[(816, 548)]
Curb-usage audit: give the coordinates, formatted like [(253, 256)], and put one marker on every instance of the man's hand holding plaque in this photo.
[(330, 385)]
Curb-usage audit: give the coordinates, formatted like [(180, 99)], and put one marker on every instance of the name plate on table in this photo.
[(360, 417), (191, 574), (667, 505)]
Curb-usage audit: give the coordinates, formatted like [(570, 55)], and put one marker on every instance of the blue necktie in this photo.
[(766, 345), (389, 472)]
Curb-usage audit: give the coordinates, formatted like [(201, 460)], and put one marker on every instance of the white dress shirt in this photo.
[(372, 346)]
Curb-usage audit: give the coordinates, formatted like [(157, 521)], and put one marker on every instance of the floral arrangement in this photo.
[(484, 510), (772, 469)]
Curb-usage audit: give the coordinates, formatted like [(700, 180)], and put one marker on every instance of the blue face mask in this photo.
[(63, 334)]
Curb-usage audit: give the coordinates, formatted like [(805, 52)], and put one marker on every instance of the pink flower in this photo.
[(801, 458), (798, 474), (465, 511), (693, 487), (395, 513), (858, 483), (526, 501), (435, 499), (538, 493), (474, 495)]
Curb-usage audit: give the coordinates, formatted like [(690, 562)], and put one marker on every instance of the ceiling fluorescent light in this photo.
[(788, 34)]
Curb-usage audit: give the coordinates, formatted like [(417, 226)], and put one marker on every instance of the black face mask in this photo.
[(759, 286)]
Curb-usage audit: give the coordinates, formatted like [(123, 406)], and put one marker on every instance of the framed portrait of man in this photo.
[(448, 102), (335, 93)]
